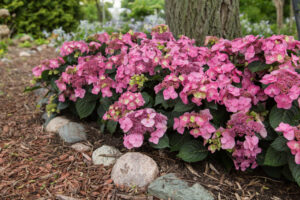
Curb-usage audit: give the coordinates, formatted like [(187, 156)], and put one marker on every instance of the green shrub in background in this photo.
[(139, 9), (259, 10), (34, 16), (90, 13)]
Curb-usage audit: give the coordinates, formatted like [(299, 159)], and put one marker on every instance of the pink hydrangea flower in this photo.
[(140, 122), (198, 123)]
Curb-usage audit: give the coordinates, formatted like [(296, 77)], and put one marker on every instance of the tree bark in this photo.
[(200, 18), (98, 10), (279, 12)]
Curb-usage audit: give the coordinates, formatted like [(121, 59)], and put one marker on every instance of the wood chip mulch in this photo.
[(35, 164)]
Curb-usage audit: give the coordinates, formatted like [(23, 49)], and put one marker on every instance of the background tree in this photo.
[(279, 13), (200, 18)]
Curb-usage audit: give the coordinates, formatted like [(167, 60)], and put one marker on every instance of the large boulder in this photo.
[(171, 187), (134, 169)]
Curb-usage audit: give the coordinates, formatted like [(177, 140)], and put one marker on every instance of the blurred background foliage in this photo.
[(139, 9), (34, 16), (63, 20)]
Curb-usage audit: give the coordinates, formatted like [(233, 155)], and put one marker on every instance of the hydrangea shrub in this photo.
[(237, 100)]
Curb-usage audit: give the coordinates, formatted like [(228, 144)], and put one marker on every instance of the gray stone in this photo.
[(24, 54), (72, 132), (171, 187), (80, 147), (4, 13), (105, 155), (6, 60), (134, 169), (56, 123)]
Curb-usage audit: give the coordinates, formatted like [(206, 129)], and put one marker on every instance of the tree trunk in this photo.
[(200, 18), (279, 12), (98, 10)]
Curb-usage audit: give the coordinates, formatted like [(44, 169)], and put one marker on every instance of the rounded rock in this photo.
[(72, 132), (80, 147), (134, 169), (56, 123), (105, 155)]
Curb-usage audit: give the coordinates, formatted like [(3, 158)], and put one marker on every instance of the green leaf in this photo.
[(286, 172), (86, 105), (211, 105), (159, 98), (278, 115), (45, 75), (275, 158), (177, 140), (295, 169), (279, 144), (53, 85), (103, 107), (181, 107), (30, 89), (258, 66), (148, 99), (111, 126), (162, 143), (192, 151)]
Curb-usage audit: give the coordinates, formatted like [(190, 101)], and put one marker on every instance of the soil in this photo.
[(35, 164)]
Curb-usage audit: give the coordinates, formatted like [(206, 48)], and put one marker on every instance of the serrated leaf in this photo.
[(275, 158), (181, 107), (278, 115), (162, 143), (295, 169), (85, 106), (279, 144), (258, 66), (192, 151)]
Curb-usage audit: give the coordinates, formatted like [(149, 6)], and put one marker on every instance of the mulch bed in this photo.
[(35, 164)]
